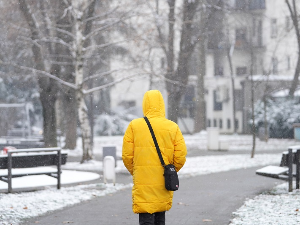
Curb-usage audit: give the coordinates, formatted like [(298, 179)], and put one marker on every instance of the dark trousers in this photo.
[(152, 219)]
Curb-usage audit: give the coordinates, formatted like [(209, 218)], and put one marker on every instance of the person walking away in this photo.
[(150, 197)]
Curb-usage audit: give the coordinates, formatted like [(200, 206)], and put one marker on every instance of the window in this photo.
[(220, 123), (240, 34), (239, 99), (215, 123), (217, 105), (240, 37), (240, 4), (253, 27), (288, 61), (208, 123), (273, 28), (259, 33), (228, 124), (257, 4), (275, 65), (241, 70), (219, 71), (236, 123)]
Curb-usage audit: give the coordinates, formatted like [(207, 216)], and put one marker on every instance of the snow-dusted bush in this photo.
[(281, 114), (108, 125)]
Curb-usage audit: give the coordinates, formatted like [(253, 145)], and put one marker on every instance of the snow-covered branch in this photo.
[(158, 28), (98, 75), (62, 63), (64, 32), (169, 80), (112, 83), (102, 15), (103, 46), (96, 31), (43, 73), (57, 41)]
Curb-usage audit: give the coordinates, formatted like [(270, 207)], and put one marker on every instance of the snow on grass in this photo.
[(94, 165), (278, 207), (15, 207), (193, 142), (196, 165), (67, 177), (213, 164)]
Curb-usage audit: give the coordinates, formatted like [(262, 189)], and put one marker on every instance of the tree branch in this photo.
[(103, 15), (94, 32), (99, 75), (46, 74), (111, 84), (103, 46), (64, 32)]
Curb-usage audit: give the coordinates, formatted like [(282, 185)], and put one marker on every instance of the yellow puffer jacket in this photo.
[(140, 157)]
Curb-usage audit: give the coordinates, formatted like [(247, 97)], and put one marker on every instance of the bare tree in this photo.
[(210, 26), (48, 87), (80, 42), (293, 9)]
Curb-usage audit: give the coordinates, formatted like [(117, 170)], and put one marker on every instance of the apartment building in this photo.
[(256, 41)]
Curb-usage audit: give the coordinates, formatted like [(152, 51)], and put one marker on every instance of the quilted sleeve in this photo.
[(179, 150), (127, 149)]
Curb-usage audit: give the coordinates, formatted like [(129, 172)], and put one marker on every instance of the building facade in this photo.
[(257, 41)]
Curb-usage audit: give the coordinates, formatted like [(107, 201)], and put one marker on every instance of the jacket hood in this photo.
[(153, 104)]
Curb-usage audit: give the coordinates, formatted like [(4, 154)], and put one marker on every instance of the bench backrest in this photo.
[(27, 161), (26, 158), (285, 158)]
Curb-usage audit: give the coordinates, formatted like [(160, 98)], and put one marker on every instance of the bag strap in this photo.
[(155, 142)]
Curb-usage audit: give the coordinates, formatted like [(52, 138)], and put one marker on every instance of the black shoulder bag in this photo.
[(170, 174)]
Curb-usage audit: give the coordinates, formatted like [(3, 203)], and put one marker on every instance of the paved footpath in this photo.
[(207, 199)]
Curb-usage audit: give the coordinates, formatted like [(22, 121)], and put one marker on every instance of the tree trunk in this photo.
[(200, 117), (172, 114), (49, 118), (176, 91), (253, 118), (48, 88), (232, 91), (252, 99), (85, 128), (266, 119), (68, 95), (294, 16), (173, 105), (296, 76), (78, 6), (70, 118)]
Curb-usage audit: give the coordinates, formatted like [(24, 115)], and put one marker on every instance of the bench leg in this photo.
[(9, 167), (58, 169), (297, 168), (290, 170)]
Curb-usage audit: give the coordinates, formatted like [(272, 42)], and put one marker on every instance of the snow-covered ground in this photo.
[(15, 207), (197, 142), (277, 207), (67, 177)]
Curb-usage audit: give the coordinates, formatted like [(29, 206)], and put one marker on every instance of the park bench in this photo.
[(21, 143), (11, 164), (284, 171)]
